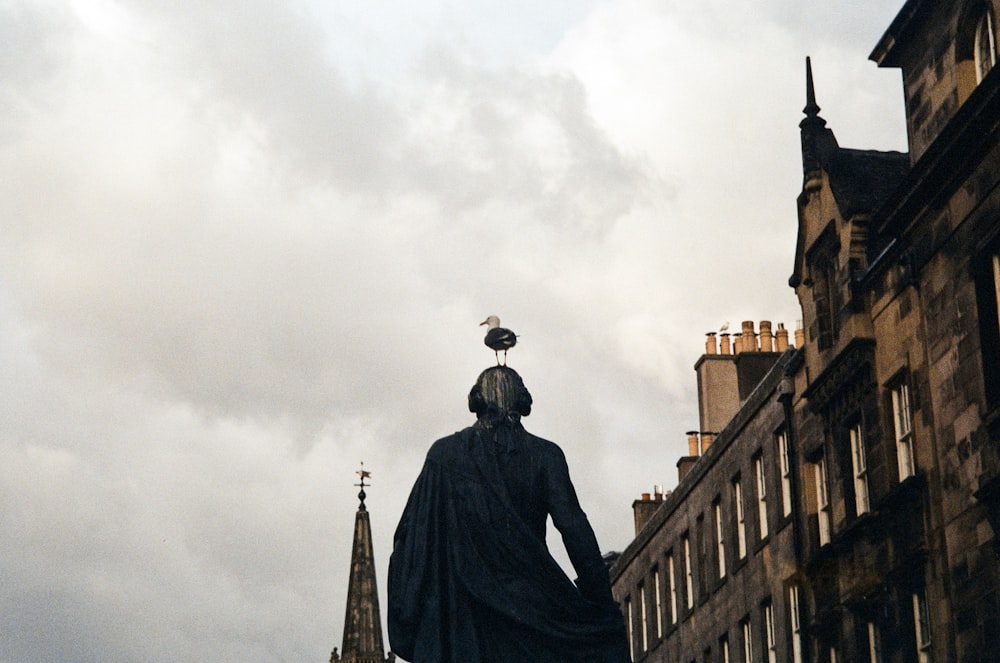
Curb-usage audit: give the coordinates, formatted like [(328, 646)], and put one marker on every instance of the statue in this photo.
[(471, 579)]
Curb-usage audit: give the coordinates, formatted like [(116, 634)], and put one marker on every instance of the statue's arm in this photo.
[(577, 534)]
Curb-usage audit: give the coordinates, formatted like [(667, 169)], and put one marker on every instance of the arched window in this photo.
[(975, 46), (985, 47)]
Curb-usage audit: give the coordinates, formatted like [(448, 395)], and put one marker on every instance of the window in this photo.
[(688, 573), (672, 588), (747, 641), (630, 622), (643, 631), (786, 474), (758, 467), (988, 304), (826, 297), (720, 539), (741, 523), (795, 621), (860, 464), (772, 652), (922, 627), (822, 501), (903, 425), (658, 600), (724, 649), (985, 47), (873, 643)]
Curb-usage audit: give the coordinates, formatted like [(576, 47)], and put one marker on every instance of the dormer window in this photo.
[(985, 47)]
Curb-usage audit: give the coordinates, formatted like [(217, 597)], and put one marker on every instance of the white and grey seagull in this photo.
[(498, 338)]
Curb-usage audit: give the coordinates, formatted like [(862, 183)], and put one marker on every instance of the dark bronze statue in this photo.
[(470, 578)]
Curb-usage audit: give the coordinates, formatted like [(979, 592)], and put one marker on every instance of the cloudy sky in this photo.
[(246, 246)]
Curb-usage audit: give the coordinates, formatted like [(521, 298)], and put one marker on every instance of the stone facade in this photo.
[(883, 427)]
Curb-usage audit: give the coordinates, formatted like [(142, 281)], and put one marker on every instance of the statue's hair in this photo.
[(500, 390)]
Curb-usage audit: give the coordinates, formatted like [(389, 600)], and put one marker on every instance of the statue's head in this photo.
[(499, 391)]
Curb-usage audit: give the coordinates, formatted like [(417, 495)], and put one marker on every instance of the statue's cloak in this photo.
[(471, 579)]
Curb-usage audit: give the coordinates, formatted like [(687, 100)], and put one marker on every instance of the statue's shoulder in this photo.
[(545, 447), (449, 447)]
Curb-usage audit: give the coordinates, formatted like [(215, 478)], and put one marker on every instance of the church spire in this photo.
[(362, 621)]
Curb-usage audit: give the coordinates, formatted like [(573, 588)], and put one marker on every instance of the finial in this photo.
[(812, 108), (364, 474)]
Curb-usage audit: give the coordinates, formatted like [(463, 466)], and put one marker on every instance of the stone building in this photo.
[(848, 509)]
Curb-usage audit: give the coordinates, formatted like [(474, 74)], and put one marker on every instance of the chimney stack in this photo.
[(644, 508)]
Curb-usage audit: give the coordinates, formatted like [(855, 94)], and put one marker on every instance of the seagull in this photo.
[(498, 338), (724, 328)]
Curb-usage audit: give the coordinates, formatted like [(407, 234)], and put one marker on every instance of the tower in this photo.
[(362, 621)]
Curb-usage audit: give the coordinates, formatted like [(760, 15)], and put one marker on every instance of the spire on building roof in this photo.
[(812, 109), (818, 142), (362, 622)]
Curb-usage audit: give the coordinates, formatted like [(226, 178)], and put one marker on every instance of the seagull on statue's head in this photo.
[(498, 338)]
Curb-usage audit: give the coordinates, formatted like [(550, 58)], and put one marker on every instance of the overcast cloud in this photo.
[(246, 245)]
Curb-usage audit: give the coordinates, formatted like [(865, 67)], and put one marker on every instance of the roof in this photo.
[(862, 180)]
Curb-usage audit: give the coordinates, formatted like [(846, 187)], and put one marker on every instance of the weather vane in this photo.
[(364, 474)]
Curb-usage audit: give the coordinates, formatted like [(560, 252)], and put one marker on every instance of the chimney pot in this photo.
[(781, 338), (749, 337), (711, 344), (766, 339), (692, 443)]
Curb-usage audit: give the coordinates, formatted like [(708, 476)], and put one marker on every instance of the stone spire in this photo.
[(362, 621), (818, 142)]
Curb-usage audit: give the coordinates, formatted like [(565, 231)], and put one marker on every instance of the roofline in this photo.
[(784, 364), (882, 53)]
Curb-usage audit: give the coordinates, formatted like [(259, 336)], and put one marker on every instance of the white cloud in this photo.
[(247, 246)]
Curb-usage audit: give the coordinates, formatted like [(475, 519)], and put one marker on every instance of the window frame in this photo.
[(795, 622), (902, 426), (859, 466), (824, 517), (640, 591), (688, 572), (672, 587), (658, 600), (720, 538), (985, 28), (874, 642), (785, 467), (760, 482), (770, 641), (747, 640), (741, 520), (921, 626), (987, 280), (630, 623)]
